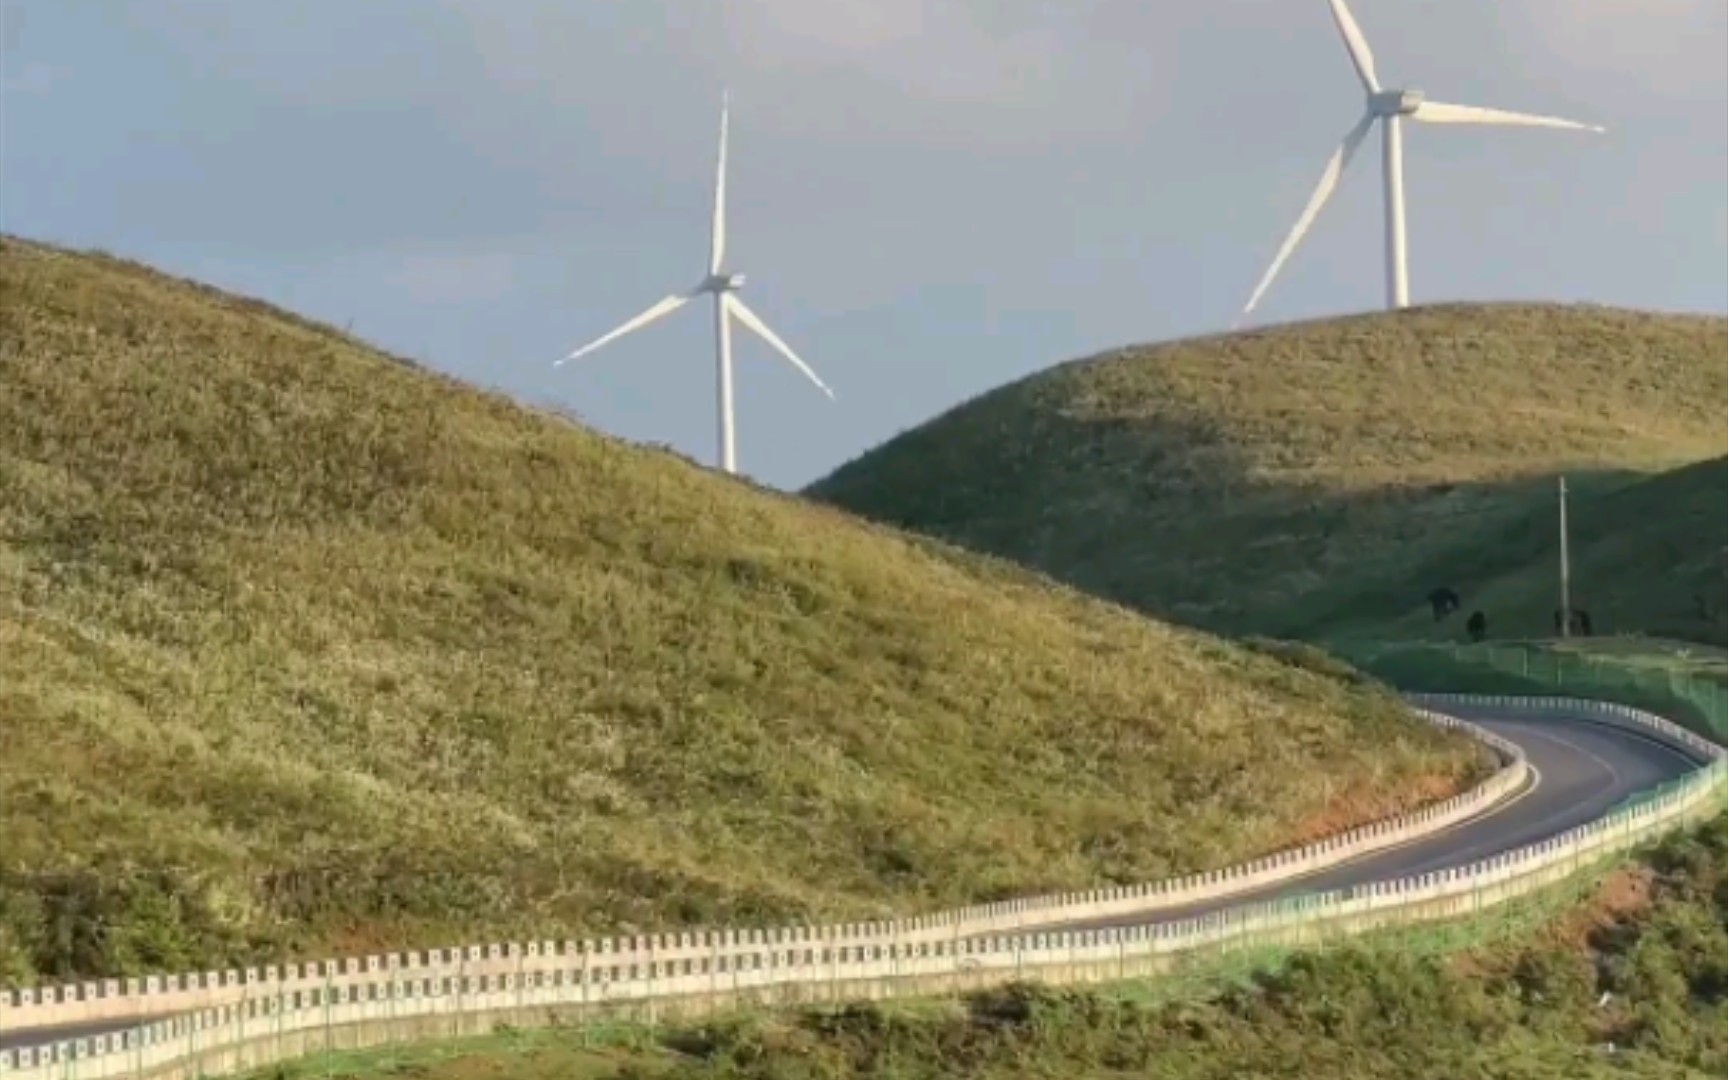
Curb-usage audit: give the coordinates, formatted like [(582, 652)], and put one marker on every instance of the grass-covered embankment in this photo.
[(305, 650), (1630, 984)]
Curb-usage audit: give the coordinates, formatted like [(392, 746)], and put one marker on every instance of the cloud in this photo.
[(1671, 47), (845, 26), (939, 51), (856, 68), (34, 79), (17, 75), (11, 24)]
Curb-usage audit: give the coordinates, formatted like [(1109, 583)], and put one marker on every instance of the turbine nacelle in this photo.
[(1395, 102), (721, 283), (728, 308), (1384, 107)]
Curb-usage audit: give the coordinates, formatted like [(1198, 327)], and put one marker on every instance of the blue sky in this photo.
[(929, 198)]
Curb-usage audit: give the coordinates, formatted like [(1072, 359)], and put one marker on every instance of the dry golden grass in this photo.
[(302, 649), (1301, 479)]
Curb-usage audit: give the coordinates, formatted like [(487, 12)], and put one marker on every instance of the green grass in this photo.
[(304, 649), (1565, 661), (1522, 1001), (1687, 658), (1687, 684), (1649, 558), (595, 1053), (1315, 478)]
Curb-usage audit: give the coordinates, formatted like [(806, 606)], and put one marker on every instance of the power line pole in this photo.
[(1565, 570)]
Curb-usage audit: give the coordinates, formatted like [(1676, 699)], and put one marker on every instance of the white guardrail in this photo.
[(108, 1000), (229, 1021)]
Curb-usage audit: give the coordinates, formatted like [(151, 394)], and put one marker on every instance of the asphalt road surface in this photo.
[(1583, 770)]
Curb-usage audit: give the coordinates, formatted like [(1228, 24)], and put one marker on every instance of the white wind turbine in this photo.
[(1389, 108), (727, 306)]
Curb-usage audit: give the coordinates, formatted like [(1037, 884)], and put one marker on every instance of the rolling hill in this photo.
[(1301, 479), (304, 648)]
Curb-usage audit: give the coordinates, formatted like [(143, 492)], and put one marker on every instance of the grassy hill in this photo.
[(1649, 557), (303, 648), (1301, 478)]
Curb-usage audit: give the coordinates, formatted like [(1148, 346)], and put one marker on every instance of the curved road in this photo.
[(1582, 770)]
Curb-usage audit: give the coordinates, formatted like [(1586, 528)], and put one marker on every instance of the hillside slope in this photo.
[(302, 648), (1648, 558), (1270, 481)]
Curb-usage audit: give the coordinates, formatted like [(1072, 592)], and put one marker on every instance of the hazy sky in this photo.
[(929, 198)]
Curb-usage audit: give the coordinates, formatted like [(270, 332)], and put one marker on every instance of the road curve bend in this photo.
[(1581, 770)]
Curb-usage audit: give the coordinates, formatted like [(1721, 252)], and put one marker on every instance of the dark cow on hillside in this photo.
[(1580, 622), (1444, 602), (1477, 627)]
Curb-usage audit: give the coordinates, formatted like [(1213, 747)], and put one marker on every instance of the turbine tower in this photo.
[(1389, 108), (727, 306)]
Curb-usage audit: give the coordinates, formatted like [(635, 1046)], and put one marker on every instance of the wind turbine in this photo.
[(727, 306), (1389, 108)]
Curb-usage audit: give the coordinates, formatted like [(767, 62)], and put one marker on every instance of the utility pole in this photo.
[(1565, 570)]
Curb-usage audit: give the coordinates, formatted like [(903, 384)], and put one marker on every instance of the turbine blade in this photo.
[(753, 321), (1335, 167), (1438, 112), (1360, 54), (717, 251), (658, 311)]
